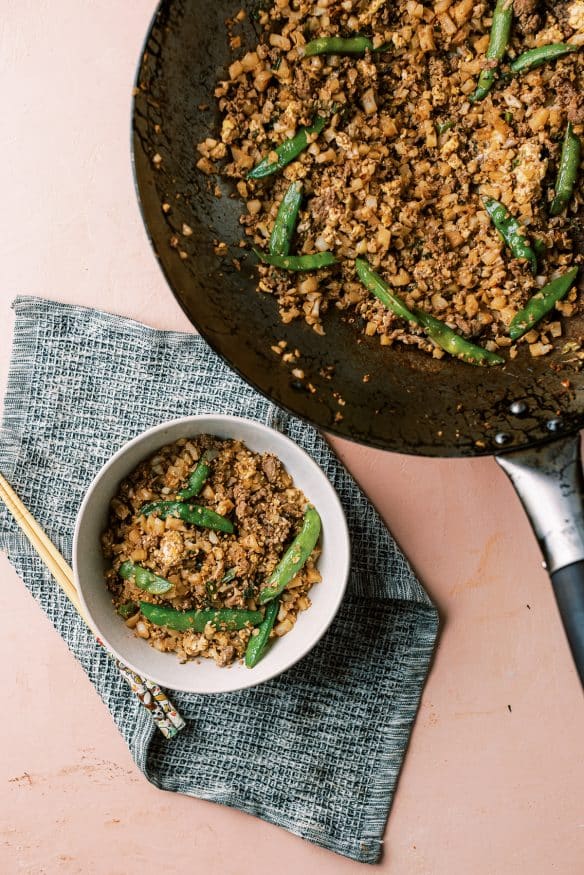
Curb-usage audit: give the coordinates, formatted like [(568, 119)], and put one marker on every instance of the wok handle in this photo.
[(550, 485), (568, 584)]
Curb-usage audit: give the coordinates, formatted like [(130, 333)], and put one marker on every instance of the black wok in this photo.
[(526, 412)]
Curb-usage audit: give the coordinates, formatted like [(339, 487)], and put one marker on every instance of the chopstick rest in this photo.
[(155, 700)]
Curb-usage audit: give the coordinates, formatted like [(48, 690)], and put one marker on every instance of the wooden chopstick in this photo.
[(54, 561), (150, 695)]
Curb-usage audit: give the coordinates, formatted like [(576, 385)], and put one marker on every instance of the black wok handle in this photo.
[(550, 485), (568, 584)]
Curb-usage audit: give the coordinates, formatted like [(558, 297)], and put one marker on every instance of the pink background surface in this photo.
[(494, 777)]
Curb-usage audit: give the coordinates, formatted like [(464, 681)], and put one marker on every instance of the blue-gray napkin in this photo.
[(317, 750)]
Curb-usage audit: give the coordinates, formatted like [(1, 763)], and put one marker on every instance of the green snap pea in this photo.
[(567, 173), (287, 151), (258, 643), (198, 477), (184, 621), (335, 45), (144, 578), (127, 610), (498, 42), (294, 557), (541, 55), (511, 231), (442, 335), (298, 262), (538, 247), (442, 127), (373, 282), (285, 224), (193, 514), (541, 303), (451, 342)]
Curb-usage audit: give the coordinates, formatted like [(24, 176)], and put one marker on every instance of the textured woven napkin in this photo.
[(317, 750)]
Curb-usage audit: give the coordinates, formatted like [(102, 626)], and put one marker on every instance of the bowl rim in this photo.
[(342, 538)]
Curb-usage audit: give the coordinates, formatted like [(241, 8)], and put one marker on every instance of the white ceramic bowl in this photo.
[(205, 676)]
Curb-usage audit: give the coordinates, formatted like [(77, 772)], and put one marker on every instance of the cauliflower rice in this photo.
[(252, 489)]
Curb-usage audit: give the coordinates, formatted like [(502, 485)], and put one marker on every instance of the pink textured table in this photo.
[(494, 777)]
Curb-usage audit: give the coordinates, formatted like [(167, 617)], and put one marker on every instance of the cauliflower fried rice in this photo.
[(400, 170), (252, 489)]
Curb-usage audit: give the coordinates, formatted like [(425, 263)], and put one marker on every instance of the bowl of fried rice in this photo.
[(211, 553)]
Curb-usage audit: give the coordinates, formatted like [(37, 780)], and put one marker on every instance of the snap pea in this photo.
[(438, 331), (287, 151), (297, 262), (127, 610), (511, 231), (541, 303), (144, 578), (373, 282), (451, 342), (257, 643), (442, 127), (198, 476), (294, 557), (567, 173), (193, 514), (335, 45), (541, 55), (538, 247), (498, 42), (285, 224), (184, 621)]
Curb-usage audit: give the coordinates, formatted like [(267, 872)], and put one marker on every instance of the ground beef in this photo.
[(570, 95), (528, 14)]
